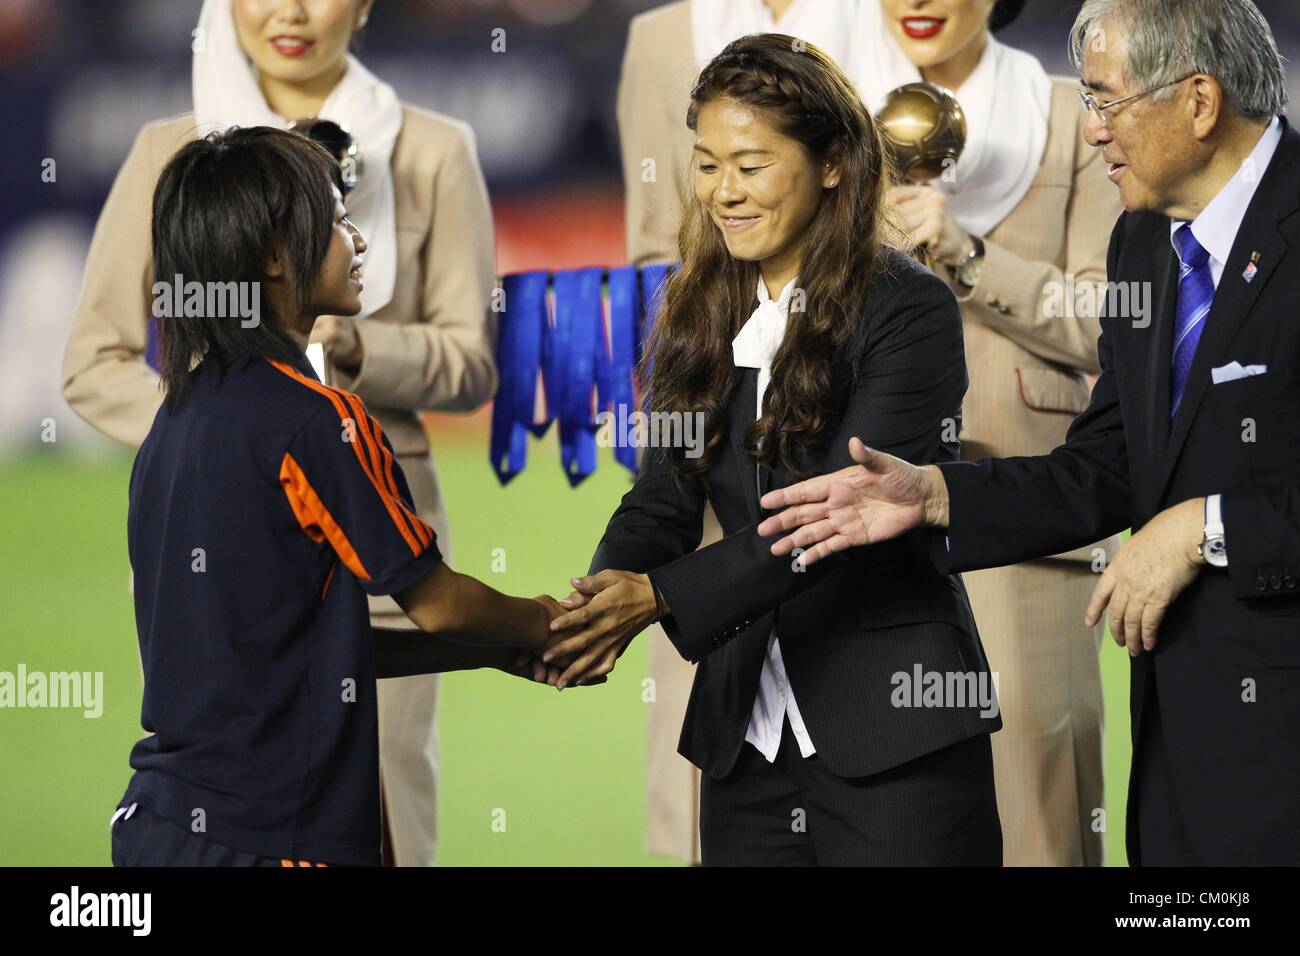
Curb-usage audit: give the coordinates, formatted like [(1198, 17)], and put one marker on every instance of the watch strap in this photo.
[(1214, 516)]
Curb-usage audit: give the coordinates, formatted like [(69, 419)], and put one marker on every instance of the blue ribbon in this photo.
[(519, 355), (577, 338), (652, 282), (619, 364), (582, 368)]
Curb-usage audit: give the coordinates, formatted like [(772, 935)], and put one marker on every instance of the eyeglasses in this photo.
[(338, 142), (1099, 109)]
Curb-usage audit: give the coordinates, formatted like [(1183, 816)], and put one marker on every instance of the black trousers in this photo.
[(146, 839), (937, 810), (1162, 837)]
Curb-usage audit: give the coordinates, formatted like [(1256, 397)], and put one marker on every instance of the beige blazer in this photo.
[(1027, 351), (654, 90), (431, 347)]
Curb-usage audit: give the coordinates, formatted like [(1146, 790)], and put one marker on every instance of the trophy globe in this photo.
[(925, 128)]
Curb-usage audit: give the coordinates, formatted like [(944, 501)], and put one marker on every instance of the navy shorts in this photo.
[(141, 838)]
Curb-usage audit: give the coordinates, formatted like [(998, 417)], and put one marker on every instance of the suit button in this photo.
[(1289, 583), (1275, 584), (1261, 584)]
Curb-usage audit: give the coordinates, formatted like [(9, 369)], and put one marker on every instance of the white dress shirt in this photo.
[(754, 347), (1217, 226)]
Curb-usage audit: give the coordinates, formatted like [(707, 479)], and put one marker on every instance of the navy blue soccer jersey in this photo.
[(263, 510)]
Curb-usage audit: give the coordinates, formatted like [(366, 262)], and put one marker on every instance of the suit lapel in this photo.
[(1275, 199), (740, 416), (766, 481)]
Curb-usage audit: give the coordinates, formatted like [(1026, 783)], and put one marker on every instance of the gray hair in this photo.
[(1169, 39)]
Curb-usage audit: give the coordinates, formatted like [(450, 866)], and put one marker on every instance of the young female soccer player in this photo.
[(423, 340), (264, 508)]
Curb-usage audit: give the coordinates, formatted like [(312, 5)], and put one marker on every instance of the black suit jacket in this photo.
[(1227, 665), (847, 624)]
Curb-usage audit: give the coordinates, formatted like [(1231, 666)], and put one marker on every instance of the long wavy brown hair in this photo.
[(687, 366)]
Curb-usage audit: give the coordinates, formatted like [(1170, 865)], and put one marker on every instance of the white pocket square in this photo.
[(1235, 370)]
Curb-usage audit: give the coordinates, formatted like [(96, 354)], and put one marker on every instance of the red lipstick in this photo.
[(923, 28)]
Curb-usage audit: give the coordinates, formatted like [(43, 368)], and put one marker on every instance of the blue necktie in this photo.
[(1195, 296)]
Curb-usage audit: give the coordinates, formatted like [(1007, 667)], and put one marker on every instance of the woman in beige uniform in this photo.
[(424, 338), (1021, 228), (1036, 197)]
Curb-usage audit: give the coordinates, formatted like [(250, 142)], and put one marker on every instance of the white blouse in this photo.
[(754, 347)]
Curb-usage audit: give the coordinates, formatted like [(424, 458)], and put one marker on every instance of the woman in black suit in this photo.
[(861, 734)]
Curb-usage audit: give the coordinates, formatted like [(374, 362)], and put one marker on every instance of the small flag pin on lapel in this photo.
[(1252, 268)]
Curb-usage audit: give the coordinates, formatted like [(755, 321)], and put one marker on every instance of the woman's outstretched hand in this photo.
[(877, 499), (616, 606)]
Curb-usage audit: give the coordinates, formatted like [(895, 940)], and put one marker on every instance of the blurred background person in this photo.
[(423, 339), (1025, 221)]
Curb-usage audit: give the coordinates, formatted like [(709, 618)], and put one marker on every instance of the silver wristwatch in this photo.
[(969, 270), (1213, 547)]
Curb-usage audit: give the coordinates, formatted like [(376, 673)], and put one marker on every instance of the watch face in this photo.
[(1215, 551), (968, 273)]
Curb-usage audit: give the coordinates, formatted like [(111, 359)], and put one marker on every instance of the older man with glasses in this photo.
[(1192, 437)]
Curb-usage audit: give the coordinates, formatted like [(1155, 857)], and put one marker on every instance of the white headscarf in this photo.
[(715, 23), (226, 94), (1007, 100)]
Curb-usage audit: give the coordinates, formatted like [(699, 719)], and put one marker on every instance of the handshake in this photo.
[(585, 634)]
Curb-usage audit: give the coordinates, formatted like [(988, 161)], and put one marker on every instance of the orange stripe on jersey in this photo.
[(384, 468), (315, 518), (373, 443), (328, 580), (422, 530), (397, 510)]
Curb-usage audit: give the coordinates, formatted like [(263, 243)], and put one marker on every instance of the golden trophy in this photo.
[(926, 129)]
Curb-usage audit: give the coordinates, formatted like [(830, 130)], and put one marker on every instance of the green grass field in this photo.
[(566, 768)]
